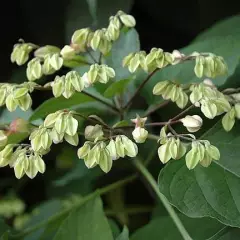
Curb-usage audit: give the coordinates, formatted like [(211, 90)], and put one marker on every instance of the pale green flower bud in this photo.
[(126, 61), (3, 138), (164, 152), (105, 46), (228, 120), (93, 133), (208, 108), (199, 66), (237, 110), (47, 67), (128, 20), (25, 102), (73, 140), (20, 53), (112, 33), (111, 147), (140, 134), (11, 103), (46, 50), (84, 150), (95, 42), (80, 39), (58, 86), (160, 87), (76, 80), (51, 119), (72, 125), (68, 88), (192, 123), (195, 155), (196, 94), (213, 152), (20, 92), (5, 155), (56, 61), (61, 123), (31, 171), (182, 99), (67, 52), (105, 160), (91, 159), (177, 56), (131, 148), (163, 135), (119, 147), (56, 137), (34, 69)]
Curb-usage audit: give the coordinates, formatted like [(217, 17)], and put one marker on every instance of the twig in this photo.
[(139, 88), (91, 56)]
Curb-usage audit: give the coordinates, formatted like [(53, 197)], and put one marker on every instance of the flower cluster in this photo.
[(101, 151), (56, 127), (24, 160), (172, 148), (210, 66), (72, 81), (16, 95), (202, 152), (157, 58), (67, 85), (100, 39), (170, 90), (21, 51), (192, 123), (211, 101), (51, 63)]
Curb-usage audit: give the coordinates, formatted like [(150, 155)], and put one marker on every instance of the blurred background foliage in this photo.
[(166, 24)]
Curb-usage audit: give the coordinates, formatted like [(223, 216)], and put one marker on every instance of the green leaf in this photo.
[(222, 28), (4, 228), (124, 235), (55, 104), (128, 42), (86, 222), (211, 191), (116, 88), (164, 228), (122, 123)]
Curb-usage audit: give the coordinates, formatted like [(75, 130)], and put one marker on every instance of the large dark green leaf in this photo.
[(164, 228), (223, 28), (124, 235), (128, 42), (116, 88), (212, 191), (88, 222)]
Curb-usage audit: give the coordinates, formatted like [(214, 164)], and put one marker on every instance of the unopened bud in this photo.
[(192, 123), (140, 134)]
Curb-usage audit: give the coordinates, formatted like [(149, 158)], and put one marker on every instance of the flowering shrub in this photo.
[(92, 74)]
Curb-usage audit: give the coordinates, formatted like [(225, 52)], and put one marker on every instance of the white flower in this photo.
[(192, 123), (140, 134)]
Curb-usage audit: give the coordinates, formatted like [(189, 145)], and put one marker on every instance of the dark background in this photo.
[(166, 24)]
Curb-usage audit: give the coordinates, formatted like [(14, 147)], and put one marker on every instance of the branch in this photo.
[(139, 88)]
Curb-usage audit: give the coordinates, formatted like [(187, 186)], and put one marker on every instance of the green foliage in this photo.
[(101, 73)]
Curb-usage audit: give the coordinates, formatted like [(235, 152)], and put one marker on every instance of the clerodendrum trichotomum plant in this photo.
[(89, 70)]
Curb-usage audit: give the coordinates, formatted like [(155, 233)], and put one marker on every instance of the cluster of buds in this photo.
[(72, 81), (101, 151), (170, 90), (67, 85), (139, 134), (21, 51), (51, 63), (157, 58), (212, 102), (100, 39), (192, 123), (56, 127), (11, 206), (14, 95), (202, 152), (171, 148), (24, 160), (210, 66)]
